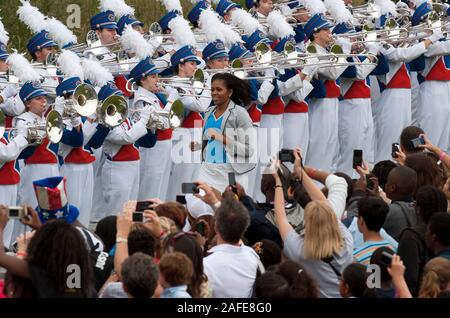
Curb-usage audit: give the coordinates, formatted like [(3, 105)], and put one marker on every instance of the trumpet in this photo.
[(163, 119), (113, 111), (52, 129)]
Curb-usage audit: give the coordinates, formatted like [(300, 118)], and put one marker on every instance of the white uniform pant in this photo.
[(30, 173), (393, 114), (323, 133), (216, 175), (270, 141), (434, 112), (155, 170), (120, 180), (98, 199), (8, 197), (296, 131), (415, 99), (185, 163), (355, 132), (80, 188)]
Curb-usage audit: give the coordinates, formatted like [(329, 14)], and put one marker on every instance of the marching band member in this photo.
[(186, 164), (76, 158), (120, 172), (393, 111), (259, 8), (224, 9), (43, 162), (155, 164), (196, 10), (355, 113), (323, 106), (10, 103), (434, 104), (105, 26)]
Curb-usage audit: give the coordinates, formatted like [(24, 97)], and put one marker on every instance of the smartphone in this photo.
[(16, 212), (143, 205), (395, 148), (232, 181), (138, 217), (416, 142), (357, 158), (189, 187), (386, 258), (286, 155), (181, 199), (369, 183)]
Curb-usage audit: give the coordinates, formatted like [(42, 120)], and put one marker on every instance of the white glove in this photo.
[(373, 47), (173, 94), (75, 121), (269, 72), (345, 44), (436, 36), (401, 5), (145, 113), (445, 6), (9, 91), (310, 70), (59, 105)]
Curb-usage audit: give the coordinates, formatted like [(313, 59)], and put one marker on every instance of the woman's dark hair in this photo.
[(427, 170), (301, 284), (241, 90), (268, 251), (355, 276), (271, 285), (409, 133), (381, 171), (430, 200), (54, 247), (140, 239), (187, 244), (377, 258), (174, 211), (106, 230)]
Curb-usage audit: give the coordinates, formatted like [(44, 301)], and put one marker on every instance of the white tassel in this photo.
[(96, 73), (182, 31), (278, 25), (60, 33), (21, 68), (245, 21), (32, 17), (119, 7), (314, 6), (386, 7), (133, 41), (172, 5), (231, 36), (339, 11), (70, 64), (4, 35), (210, 24)]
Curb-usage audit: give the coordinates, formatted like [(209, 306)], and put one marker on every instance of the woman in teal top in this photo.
[(229, 139)]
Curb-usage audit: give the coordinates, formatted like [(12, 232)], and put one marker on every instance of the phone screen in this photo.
[(138, 217), (189, 188), (143, 205), (357, 158)]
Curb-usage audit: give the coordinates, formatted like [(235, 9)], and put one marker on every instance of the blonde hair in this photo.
[(436, 276), (168, 225), (323, 238)]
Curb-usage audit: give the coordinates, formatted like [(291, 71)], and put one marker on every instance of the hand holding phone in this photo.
[(143, 205), (232, 181), (138, 217), (189, 187), (395, 149)]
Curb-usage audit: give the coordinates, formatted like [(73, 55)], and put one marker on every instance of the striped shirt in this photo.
[(363, 254)]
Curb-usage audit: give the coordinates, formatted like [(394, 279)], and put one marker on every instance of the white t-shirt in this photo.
[(231, 270)]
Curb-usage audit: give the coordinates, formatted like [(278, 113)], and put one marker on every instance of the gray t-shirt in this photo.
[(322, 272)]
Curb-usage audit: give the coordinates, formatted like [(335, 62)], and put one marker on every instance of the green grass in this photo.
[(147, 11)]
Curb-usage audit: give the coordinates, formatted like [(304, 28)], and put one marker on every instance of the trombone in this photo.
[(163, 119), (52, 129)]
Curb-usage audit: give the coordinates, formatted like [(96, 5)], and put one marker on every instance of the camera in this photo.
[(416, 142), (357, 158), (286, 155), (16, 212), (189, 187), (395, 149)]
